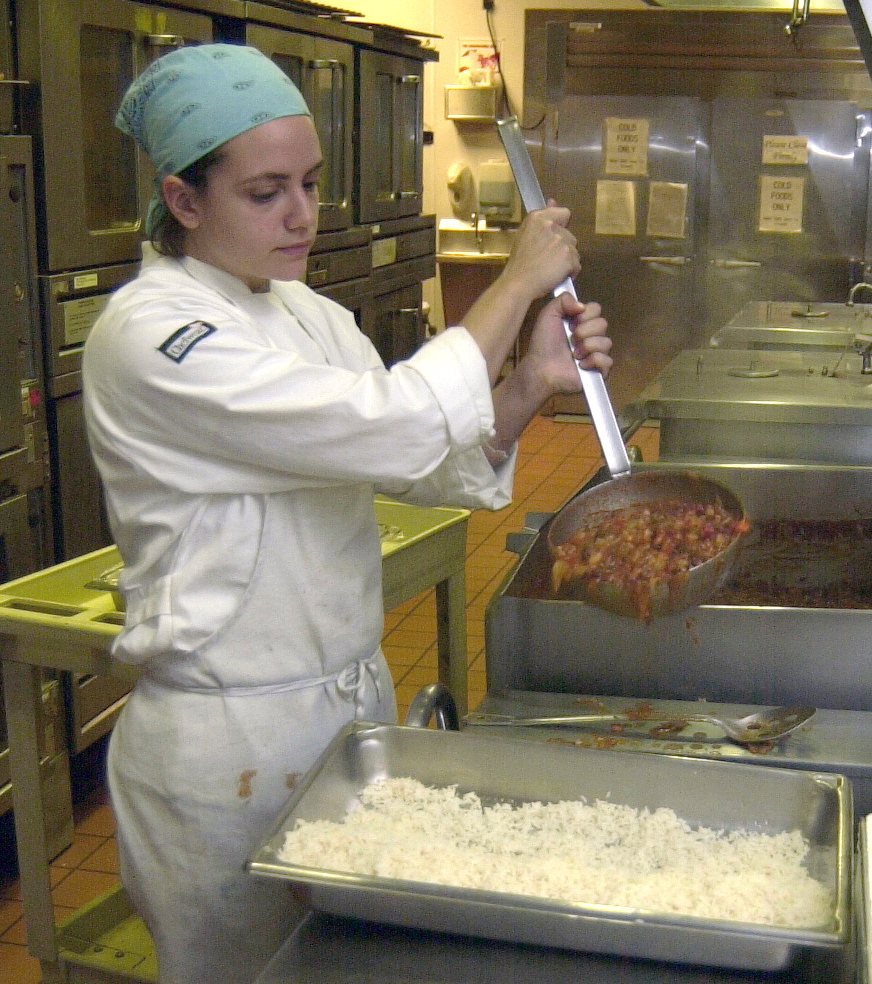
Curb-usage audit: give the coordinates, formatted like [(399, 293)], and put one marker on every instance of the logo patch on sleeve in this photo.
[(177, 346)]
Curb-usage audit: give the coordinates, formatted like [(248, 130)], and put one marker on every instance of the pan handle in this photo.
[(592, 383)]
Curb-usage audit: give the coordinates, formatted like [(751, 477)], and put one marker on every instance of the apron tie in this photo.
[(350, 682)]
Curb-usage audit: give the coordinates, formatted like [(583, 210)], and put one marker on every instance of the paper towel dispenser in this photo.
[(497, 194)]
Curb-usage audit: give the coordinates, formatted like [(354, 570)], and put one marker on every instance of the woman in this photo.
[(241, 425)]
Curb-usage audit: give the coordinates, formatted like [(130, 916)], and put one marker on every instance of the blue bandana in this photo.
[(196, 99)]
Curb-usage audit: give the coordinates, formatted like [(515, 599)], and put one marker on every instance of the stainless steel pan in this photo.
[(624, 488)]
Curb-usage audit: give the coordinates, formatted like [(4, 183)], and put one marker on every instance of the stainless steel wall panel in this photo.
[(743, 81), (813, 262)]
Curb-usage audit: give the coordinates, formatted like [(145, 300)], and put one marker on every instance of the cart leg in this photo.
[(451, 638), (21, 685)]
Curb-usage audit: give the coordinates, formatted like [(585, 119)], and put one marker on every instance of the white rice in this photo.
[(603, 853)]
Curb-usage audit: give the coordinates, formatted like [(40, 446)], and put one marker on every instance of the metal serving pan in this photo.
[(715, 794), (738, 654)]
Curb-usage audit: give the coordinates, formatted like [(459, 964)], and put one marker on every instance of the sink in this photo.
[(458, 238)]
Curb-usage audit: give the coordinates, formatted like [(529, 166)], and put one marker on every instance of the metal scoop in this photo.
[(766, 725), (626, 486)]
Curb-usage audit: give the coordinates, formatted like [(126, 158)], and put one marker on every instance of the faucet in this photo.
[(853, 291), (863, 345), (479, 238)]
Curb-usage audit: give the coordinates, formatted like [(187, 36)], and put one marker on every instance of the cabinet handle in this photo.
[(409, 79), (337, 158), (666, 260), (736, 264), (165, 40)]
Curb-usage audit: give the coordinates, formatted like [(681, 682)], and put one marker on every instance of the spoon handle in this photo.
[(511, 720), (479, 717)]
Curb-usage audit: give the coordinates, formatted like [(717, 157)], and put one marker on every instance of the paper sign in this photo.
[(667, 208), (781, 202), (477, 62), (626, 146), (615, 208), (80, 314), (785, 150)]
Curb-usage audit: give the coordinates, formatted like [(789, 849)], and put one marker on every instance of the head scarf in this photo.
[(195, 99)]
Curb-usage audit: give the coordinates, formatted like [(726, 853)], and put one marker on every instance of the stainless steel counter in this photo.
[(744, 404), (777, 325), (741, 654)]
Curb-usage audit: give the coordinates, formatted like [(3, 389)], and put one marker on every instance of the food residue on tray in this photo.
[(644, 547), (600, 853)]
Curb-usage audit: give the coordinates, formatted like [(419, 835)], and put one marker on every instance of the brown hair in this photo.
[(168, 237)]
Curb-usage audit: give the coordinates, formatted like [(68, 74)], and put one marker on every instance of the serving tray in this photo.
[(704, 793)]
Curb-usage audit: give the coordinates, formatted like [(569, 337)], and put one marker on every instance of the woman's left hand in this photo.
[(549, 358), (548, 366)]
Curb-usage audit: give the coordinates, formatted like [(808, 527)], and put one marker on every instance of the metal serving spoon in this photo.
[(766, 725)]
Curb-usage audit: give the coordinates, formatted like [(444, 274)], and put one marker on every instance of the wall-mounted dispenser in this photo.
[(472, 104), (461, 184), (497, 193)]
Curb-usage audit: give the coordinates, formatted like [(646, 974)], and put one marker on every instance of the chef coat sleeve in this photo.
[(464, 478), (245, 413)]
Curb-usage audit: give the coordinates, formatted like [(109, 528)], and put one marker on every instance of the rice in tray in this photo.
[(601, 853)]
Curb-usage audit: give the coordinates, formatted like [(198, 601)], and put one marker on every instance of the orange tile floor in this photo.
[(556, 457)]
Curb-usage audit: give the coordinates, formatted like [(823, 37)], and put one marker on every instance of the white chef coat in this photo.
[(241, 437)]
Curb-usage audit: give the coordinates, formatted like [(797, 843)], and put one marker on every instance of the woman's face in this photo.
[(258, 215)]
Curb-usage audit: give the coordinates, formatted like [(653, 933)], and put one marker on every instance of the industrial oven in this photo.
[(25, 530)]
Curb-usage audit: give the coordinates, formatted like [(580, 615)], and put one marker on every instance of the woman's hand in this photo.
[(549, 364), (544, 255)]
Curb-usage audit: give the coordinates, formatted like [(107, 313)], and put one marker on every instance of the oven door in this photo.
[(391, 136), (323, 70), (94, 182), (394, 321)]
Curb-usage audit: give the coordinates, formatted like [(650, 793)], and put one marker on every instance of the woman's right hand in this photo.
[(544, 255)]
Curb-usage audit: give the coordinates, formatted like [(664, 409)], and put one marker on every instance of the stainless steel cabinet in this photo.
[(708, 162), (747, 259)]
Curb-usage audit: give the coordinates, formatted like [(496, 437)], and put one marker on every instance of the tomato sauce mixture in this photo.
[(640, 548)]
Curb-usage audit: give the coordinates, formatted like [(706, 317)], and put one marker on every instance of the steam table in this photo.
[(50, 620)]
